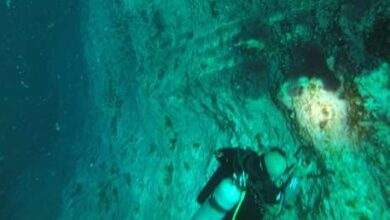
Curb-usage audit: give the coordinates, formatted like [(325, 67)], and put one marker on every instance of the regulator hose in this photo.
[(242, 197)]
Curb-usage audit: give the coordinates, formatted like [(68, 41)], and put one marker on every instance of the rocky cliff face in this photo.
[(173, 81)]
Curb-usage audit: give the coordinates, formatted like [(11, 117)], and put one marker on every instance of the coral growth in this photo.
[(335, 127), (321, 114)]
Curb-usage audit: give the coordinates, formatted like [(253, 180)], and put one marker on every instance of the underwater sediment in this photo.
[(174, 81)]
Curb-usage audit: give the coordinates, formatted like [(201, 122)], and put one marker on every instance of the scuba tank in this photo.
[(224, 198)]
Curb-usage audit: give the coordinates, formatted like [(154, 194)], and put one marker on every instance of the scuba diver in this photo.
[(243, 184)]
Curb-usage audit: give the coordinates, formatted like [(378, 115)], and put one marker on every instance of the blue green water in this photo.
[(114, 109), (42, 81)]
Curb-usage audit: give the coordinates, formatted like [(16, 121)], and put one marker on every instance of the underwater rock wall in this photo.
[(323, 121), (174, 81), (374, 91)]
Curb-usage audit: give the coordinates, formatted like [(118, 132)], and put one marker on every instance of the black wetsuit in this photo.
[(259, 190)]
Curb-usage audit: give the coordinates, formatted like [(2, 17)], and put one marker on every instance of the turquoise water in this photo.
[(42, 82), (113, 110)]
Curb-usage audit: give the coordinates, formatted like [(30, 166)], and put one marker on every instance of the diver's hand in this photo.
[(218, 154)]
